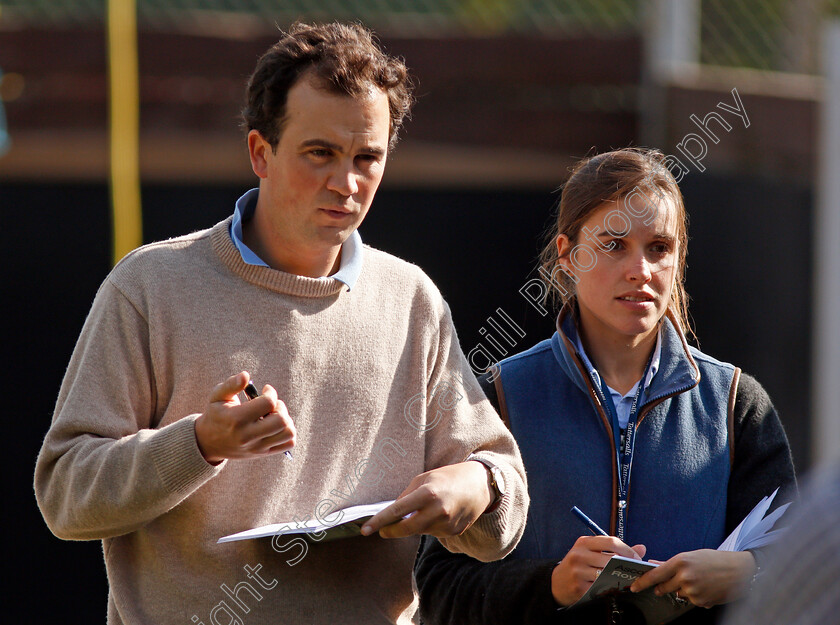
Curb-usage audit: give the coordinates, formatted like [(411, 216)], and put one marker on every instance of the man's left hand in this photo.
[(442, 502)]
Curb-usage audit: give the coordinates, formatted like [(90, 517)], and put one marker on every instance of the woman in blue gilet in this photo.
[(661, 445)]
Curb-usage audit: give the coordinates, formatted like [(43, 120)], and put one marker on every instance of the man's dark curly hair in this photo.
[(343, 58)]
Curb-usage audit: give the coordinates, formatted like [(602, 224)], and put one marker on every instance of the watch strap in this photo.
[(491, 480)]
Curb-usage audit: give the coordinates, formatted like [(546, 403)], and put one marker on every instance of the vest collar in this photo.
[(678, 372)]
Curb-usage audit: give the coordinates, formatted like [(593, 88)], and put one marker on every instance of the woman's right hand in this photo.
[(575, 573)]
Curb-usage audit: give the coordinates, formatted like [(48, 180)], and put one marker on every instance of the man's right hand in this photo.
[(575, 573), (229, 429)]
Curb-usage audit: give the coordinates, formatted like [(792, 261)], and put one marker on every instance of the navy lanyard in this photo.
[(624, 447)]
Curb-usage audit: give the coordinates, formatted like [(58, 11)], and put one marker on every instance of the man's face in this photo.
[(318, 185)]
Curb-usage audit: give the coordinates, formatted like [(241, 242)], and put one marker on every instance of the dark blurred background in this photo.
[(510, 94)]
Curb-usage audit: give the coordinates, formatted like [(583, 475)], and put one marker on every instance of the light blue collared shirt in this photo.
[(351, 251), (623, 403)]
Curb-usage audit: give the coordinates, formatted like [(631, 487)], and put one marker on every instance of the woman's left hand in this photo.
[(705, 577)]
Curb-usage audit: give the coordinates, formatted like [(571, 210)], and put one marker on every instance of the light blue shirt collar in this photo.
[(623, 403), (351, 251)]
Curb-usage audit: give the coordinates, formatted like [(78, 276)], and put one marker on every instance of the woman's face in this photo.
[(624, 267)]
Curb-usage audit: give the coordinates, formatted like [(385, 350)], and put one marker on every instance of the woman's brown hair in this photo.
[(610, 177)]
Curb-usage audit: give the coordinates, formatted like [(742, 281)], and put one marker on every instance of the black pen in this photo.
[(252, 393), (591, 525)]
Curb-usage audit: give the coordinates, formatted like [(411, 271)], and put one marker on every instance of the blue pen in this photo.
[(591, 525), (252, 393)]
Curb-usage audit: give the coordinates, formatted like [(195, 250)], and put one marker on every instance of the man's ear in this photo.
[(258, 149)]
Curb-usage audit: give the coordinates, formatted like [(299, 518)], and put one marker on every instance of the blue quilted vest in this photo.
[(681, 461)]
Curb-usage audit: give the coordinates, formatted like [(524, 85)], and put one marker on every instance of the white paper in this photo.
[(312, 526), (755, 530)]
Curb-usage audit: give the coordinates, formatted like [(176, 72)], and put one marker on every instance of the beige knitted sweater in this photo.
[(120, 462)]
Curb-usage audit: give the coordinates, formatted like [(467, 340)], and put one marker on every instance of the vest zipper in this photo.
[(607, 424), (650, 406)]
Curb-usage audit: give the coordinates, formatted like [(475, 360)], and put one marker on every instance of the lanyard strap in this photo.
[(624, 446)]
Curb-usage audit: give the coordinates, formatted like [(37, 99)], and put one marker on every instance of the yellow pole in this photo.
[(124, 127)]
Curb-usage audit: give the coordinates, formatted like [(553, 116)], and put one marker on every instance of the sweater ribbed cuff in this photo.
[(178, 459), (497, 524)]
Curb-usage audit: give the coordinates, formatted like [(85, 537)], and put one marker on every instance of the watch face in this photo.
[(499, 477)]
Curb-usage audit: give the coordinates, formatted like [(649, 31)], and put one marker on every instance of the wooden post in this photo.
[(124, 122)]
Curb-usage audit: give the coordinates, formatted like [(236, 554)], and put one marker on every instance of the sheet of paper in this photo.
[(755, 530), (354, 515)]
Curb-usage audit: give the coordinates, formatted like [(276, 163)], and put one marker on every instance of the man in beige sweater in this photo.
[(151, 449)]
